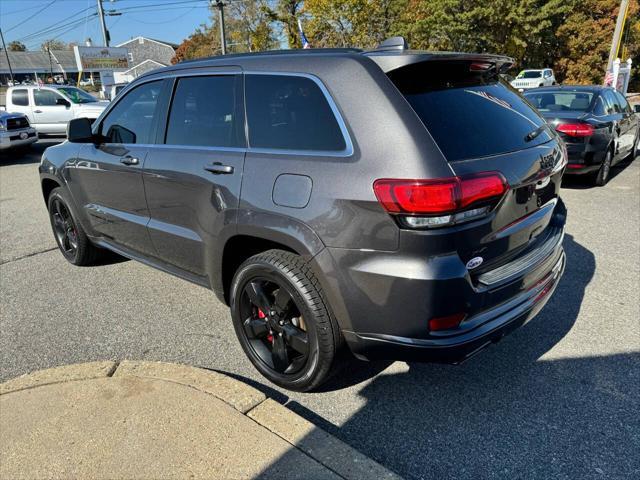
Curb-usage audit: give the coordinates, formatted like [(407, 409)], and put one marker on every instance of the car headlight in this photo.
[(3, 127)]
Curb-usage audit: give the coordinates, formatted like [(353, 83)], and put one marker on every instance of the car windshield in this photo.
[(78, 96), (530, 74), (559, 101)]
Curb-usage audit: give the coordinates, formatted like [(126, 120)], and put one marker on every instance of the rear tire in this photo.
[(71, 238), (294, 346), (602, 177)]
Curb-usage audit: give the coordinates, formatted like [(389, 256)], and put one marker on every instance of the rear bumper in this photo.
[(495, 324), (584, 157), (383, 300)]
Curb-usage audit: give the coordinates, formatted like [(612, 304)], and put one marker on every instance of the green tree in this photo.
[(16, 46)]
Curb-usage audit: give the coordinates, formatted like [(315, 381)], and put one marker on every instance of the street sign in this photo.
[(101, 58)]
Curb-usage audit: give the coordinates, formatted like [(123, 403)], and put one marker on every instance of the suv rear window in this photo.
[(468, 114), (290, 113), (20, 97)]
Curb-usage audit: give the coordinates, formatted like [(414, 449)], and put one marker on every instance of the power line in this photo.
[(55, 26), (29, 18)]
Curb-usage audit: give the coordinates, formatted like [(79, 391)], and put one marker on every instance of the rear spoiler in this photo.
[(390, 60), (394, 53)]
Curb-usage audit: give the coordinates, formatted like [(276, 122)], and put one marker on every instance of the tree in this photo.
[(53, 45), (16, 46), (286, 13)]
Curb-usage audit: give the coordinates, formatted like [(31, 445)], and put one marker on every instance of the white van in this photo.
[(49, 108)]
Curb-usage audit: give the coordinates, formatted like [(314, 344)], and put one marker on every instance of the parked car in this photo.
[(114, 90), (49, 108), (380, 214), (15, 131), (527, 79), (596, 123)]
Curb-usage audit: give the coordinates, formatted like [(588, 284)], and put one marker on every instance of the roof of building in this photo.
[(162, 42), (28, 62)]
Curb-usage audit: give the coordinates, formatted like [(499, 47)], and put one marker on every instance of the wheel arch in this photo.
[(48, 184)]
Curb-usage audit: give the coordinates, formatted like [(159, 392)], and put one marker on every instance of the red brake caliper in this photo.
[(262, 315)]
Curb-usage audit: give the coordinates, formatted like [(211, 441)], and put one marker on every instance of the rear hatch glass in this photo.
[(469, 113)]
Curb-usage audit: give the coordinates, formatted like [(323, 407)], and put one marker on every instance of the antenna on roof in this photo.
[(393, 43)]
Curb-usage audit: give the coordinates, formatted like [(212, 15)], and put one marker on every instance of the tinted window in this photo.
[(468, 114), (600, 108), (612, 104), (45, 98), (560, 101), (530, 74), (20, 97), (205, 112), (131, 120), (622, 102), (78, 96), (292, 113)]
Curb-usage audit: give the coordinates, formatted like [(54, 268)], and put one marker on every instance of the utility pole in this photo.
[(4, 46), (105, 32), (50, 62), (617, 33), (223, 41)]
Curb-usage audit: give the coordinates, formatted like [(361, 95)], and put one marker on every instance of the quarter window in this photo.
[(20, 97), (45, 98), (290, 113), (205, 112), (132, 118)]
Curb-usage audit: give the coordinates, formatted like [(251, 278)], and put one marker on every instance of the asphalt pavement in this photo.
[(556, 399)]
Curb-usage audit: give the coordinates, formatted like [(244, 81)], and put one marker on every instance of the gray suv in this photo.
[(400, 204)]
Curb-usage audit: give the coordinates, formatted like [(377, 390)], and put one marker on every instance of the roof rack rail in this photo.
[(393, 43)]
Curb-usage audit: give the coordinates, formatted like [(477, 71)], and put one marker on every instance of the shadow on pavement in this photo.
[(507, 413)]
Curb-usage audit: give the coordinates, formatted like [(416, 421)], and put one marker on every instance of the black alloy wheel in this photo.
[(64, 228), (274, 326), (283, 321), (69, 234), (602, 176)]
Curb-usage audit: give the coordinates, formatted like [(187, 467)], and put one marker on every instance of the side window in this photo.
[(290, 113), (205, 112), (20, 97), (612, 106), (599, 107), (45, 98), (132, 118), (624, 105)]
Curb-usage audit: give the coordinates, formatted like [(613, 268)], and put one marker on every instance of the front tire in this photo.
[(71, 238), (282, 320)]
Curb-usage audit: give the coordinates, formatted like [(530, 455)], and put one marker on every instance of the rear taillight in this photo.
[(446, 323), (576, 129), (429, 203)]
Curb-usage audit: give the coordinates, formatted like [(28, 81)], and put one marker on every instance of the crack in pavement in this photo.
[(33, 254)]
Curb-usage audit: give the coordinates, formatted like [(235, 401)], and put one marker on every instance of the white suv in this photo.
[(533, 79), (49, 108)]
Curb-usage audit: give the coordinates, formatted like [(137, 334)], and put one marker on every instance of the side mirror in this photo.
[(636, 108), (62, 101), (79, 130)]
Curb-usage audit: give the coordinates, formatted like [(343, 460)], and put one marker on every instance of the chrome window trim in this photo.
[(346, 152)]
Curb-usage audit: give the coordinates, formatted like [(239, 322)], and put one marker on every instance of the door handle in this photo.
[(37, 111), (128, 160), (219, 169)]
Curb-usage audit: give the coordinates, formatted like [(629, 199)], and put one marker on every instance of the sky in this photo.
[(33, 21)]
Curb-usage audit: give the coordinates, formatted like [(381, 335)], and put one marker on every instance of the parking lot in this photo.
[(556, 399)]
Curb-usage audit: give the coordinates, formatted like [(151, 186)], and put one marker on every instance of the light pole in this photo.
[(617, 33), (223, 41)]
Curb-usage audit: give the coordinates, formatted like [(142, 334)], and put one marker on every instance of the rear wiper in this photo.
[(531, 135)]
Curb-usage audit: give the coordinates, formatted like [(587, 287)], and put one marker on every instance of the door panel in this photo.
[(188, 204), (107, 178), (47, 113), (193, 182), (111, 194)]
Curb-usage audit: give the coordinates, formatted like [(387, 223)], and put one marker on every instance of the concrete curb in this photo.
[(295, 430)]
